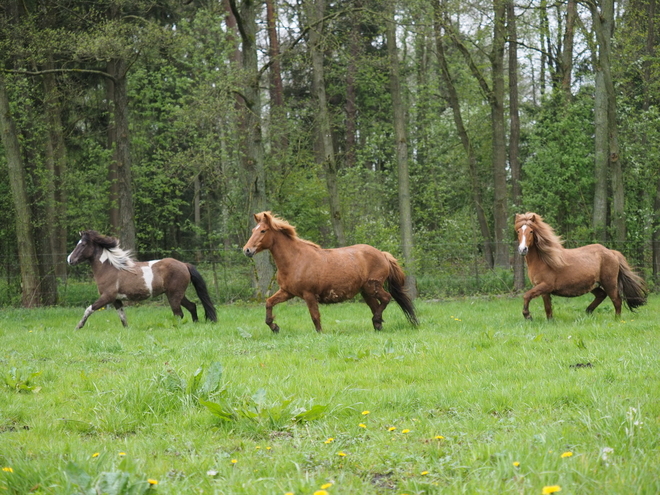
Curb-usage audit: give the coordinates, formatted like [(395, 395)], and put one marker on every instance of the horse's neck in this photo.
[(99, 268), (286, 250)]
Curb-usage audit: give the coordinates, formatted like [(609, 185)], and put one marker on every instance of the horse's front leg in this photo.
[(278, 297), (119, 306), (313, 306), (99, 303), (547, 304), (535, 291)]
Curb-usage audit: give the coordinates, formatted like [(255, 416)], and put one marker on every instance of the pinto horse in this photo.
[(119, 277), (327, 276), (553, 269)]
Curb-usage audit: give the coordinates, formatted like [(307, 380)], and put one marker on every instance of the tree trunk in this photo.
[(500, 213), (253, 161), (401, 144), (567, 52), (276, 90), (452, 97), (325, 147), (514, 137), (351, 90), (57, 154), (27, 254)]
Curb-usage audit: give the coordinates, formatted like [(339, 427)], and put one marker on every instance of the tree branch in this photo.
[(58, 71)]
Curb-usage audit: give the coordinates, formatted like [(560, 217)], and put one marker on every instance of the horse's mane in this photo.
[(549, 244), (119, 258), (281, 225)]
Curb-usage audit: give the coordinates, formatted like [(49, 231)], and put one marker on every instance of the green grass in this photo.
[(498, 390)]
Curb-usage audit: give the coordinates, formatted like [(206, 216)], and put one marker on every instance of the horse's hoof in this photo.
[(275, 329)]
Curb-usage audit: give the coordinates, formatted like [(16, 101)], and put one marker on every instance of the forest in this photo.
[(420, 127)]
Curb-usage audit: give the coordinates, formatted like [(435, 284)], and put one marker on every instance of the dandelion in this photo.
[(326, 486), (7, 469), (439, 437), (405, 431), (152, 482), (341, 454), (95, 454), (567, 454), (329, 440), (362, 425), (364, 413), (424, 473), (516, 464), (268, 448), (547, 490), (320, 492), (391, 428), (234, 461), (122, 454), (257, 447), (289, 493)]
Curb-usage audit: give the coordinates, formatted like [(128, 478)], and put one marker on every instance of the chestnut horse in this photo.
[(120, 277), (553, 269), (327, 276)]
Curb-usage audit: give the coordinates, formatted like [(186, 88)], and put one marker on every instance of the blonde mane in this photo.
[(280, 225), (120, 259), (548, 244)]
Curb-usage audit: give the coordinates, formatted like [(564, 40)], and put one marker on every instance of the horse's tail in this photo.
[(632, 288), (202, 293), (396, 286)]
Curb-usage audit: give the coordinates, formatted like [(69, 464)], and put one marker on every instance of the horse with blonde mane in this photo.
[(327, 276), (555, 270)]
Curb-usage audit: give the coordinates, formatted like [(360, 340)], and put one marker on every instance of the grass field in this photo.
[(474, 400)]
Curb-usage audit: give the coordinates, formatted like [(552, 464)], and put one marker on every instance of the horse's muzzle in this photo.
[(523, 251), (249, 252)]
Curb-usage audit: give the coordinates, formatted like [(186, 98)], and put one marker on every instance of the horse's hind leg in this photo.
[(278, 297), (612, 291), (547, 304), (600, 297), (377, 298), (175, 303), (119, 306), (313, 307), (191, 307)]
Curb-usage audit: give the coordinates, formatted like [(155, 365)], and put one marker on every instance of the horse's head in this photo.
[(525, 231), (262, 235), (86, 248)]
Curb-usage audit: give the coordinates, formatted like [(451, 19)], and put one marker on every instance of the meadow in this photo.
[(474, 400)]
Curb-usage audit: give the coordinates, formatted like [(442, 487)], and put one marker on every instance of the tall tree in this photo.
[(401, 153), (325, 147), (26, 248)]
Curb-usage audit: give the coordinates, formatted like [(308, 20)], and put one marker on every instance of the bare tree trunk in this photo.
[(254, 164), (452, 97), (401, 144), (567, 53), (276, 89), (514, 137), (500, 210), (351, 91), (27, 254), (326, 152)]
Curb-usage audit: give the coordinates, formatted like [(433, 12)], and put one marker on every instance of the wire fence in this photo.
[(445, 270)]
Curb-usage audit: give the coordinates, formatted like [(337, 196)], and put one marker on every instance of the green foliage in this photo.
[(107, 482), (21, 381)]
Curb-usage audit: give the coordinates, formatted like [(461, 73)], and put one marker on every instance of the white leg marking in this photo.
[(122, 316), (148, 275), (88, 312)]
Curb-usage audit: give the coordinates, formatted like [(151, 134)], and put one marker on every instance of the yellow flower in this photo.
[(391, 428), (567, 454), (95, 454), (152, 481), (234, 461), (268, 448), (341, 454), (289, 493), (257, 447), (320, 492), (439, 437), (547, 490), (326, 486), (424, 473), (364, 413), (329, 440), (362, 425), (516, 464), (122, 454), (405, 431), (7, 470)]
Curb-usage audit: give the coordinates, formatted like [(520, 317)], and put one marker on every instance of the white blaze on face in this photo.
[(523, 242), (148, 276), (68, 258)]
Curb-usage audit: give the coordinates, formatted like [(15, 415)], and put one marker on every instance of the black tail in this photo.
[(202, 293), (632, 287), (396, 287)]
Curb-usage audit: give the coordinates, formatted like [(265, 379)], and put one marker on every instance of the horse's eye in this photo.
[(263, 231)]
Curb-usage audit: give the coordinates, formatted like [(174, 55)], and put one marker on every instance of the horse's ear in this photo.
[(266, 218), (256, 217)]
